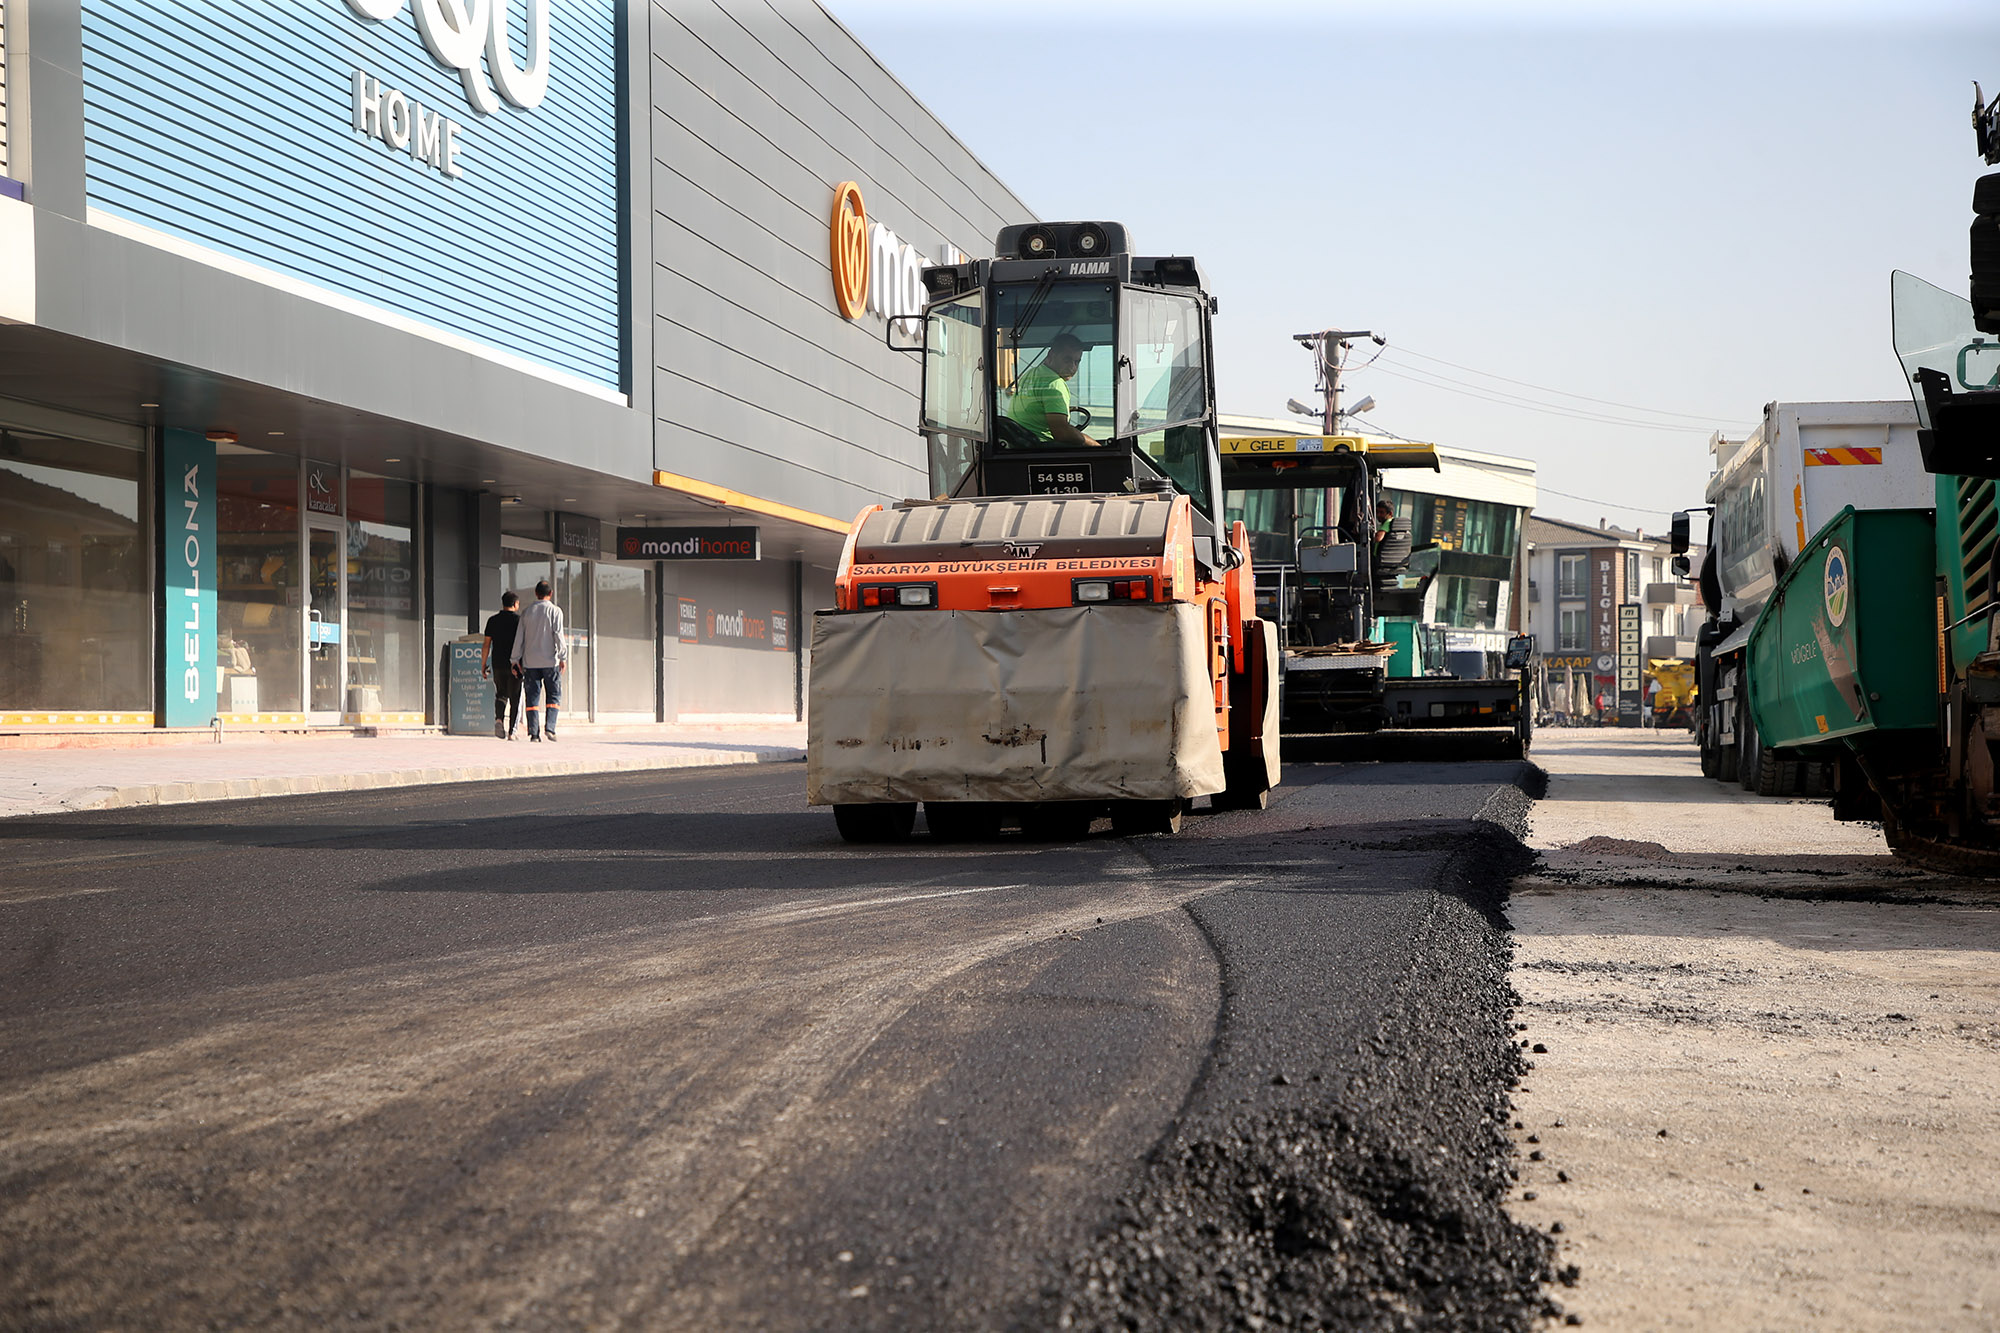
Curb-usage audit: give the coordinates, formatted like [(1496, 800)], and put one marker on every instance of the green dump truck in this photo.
[(1879, 649)]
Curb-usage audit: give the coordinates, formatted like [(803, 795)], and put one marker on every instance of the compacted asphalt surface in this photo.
[(660, 1051)]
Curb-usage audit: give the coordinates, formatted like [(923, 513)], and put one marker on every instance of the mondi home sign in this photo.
[(687, 544)]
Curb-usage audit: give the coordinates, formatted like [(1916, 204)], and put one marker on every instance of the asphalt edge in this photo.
[(1293, 1181)]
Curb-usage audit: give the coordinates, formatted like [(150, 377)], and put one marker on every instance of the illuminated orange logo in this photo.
[(850, 250)]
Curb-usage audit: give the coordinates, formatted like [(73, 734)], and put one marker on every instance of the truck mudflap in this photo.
[(1048, 704), (1846, 645)]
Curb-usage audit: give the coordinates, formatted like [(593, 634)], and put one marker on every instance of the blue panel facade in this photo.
[(234, 126)]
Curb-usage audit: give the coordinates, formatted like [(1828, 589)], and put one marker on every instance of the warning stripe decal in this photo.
[(1836, 457)]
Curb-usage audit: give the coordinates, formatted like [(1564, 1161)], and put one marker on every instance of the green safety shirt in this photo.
[(1042, 391)]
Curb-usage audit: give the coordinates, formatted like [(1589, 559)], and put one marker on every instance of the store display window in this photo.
[(573, 589), (626, 650), (75, 610), (385, 642), (259, 596)]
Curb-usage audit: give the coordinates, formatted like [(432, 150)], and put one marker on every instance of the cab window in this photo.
[(1038, 328)]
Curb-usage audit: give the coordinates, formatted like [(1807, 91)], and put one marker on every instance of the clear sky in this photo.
[(1688, 208)]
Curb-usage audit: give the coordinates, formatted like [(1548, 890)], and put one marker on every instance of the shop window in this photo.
[(385, 642), (1469, 603), (625, 644), (520, 571), (75, 612), (573, 596), (258, 597)]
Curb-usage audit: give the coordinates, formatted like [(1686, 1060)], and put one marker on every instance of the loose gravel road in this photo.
[(662, 1052)]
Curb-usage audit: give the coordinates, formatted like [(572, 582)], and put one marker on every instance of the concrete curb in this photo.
[(231, 789)]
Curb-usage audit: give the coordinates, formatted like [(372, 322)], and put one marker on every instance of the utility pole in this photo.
[(1329, 349)]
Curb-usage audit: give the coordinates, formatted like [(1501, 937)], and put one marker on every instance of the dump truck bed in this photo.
[(1847, 644)]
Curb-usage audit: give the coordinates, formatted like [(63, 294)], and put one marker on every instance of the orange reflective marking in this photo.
[(850, 250), (1837, 457)]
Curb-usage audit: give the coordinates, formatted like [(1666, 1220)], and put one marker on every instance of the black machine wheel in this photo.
[(1251, 797), (1949, 858), (1058, 821), (1249, 788), (1080, 411), (876, 823), (1853, 798), (963, 821), (1134, 817), (1773, 775), (1749, 752)]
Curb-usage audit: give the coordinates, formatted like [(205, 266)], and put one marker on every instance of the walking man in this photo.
[(497, 654), (541, 651)]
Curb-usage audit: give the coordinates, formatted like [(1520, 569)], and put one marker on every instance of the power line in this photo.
[(1430, 381), (1562, 393), (1608, 504), (1540, 489), (1375, 428)]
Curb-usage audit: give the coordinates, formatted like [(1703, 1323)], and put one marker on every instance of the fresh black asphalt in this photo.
[(1269, 1088)]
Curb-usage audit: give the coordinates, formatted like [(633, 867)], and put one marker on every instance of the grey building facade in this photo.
[(321, 324)]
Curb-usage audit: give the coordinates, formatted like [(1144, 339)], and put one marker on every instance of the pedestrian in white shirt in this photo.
[(541, 651)]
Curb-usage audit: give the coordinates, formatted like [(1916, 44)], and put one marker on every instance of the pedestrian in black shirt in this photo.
[(496, 659)]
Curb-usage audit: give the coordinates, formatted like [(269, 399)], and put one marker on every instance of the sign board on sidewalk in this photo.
[(471, 695)]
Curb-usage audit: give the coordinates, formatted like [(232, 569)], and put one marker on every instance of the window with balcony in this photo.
[(1573, 631), (1571, 573)]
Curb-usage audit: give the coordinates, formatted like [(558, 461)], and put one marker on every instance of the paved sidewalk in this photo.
[(1631, 807), (1761, 1054), (37, 782)]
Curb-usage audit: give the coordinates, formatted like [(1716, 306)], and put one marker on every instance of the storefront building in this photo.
[(323, 323)]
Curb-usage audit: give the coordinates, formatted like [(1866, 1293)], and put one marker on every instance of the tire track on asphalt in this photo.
[(752, 1032)]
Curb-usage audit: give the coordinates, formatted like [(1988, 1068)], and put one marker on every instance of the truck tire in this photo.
[(1773, 775), (963, 821), (876, 823), (1129, 818), (1749, 752)]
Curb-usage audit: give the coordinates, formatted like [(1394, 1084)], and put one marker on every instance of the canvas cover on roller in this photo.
[(1055, 704)]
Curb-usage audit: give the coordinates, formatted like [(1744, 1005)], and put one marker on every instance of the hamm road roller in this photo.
[(1065, 629)]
